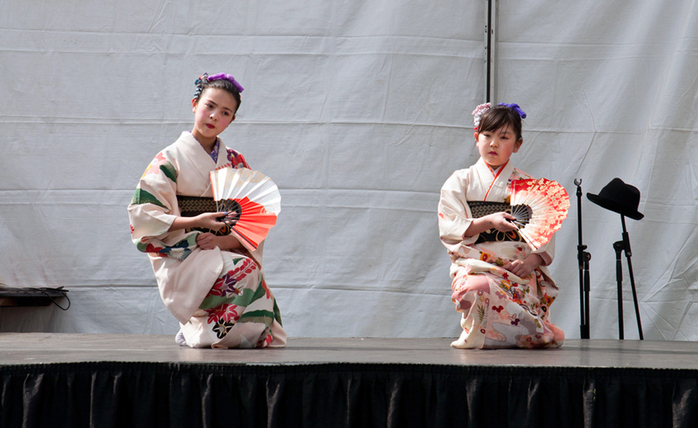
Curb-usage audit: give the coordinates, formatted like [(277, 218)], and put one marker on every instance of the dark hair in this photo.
[(498, 117), (203, 84)]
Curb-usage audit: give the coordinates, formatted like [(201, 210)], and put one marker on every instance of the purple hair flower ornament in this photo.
[(220, 76), (229, 78), (516, 108)]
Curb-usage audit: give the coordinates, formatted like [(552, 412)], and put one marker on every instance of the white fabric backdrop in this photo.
[(359, 111)]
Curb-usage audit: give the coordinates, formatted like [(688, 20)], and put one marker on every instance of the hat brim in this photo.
[(615, 207)]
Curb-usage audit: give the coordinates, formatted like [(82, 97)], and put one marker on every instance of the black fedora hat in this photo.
[(619, 197)]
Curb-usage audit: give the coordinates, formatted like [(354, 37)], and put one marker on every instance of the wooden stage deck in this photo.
[(48, 348)]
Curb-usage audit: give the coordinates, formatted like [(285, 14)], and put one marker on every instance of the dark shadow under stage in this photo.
[(85, 380)]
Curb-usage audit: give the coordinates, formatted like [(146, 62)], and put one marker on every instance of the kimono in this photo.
[(498, 309), (220, 298)]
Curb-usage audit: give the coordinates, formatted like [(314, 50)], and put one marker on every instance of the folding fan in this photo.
[(251, 200), (539, 206)]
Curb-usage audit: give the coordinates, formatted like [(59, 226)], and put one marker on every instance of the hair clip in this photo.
[(229, 78), (516, 108), (200, 84)]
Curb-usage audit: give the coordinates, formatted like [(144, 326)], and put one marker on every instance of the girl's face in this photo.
[(496, 147), (214, 111)]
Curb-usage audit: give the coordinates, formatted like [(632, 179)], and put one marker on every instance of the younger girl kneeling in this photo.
[(501, 287)]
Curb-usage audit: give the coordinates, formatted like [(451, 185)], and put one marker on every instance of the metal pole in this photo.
[(628, 256), (490, 50), (583, 258), (618, 246)]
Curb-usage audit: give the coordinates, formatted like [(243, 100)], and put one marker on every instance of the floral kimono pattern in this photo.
[(498, 309), (220, 298)]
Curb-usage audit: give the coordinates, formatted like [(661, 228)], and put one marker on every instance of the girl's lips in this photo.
[(209, 126)]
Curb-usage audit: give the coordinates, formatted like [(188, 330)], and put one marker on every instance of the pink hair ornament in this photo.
[(477, 113)]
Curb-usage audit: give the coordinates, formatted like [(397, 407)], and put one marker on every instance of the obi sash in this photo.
[(483, 208), (191, 206)]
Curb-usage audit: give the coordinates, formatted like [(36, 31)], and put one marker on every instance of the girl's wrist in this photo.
[(478, 225), (182, 223), (485, 223), (536, 260)]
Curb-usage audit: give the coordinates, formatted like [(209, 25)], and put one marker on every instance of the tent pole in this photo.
[(490, 50)]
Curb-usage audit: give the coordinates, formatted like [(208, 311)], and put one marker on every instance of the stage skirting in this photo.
[(192, 392)]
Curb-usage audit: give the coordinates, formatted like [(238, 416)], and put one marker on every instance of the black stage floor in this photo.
[(101, 380)]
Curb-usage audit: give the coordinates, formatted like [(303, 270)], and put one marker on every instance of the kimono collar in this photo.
[(500, 178), (198, 164), (199, 155), (214, 152)]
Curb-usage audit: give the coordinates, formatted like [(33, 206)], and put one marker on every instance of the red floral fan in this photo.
[(539, 206), (251, 198)]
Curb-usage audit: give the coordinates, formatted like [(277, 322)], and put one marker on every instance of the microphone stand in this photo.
[(619, 246), (583, 258)]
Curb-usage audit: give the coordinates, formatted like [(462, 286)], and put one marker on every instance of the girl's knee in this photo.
[(468, 289), (243, 272), (247, 268), (471, 283)]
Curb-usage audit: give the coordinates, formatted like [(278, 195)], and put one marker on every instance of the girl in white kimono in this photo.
[(500, 286), (211, 283)]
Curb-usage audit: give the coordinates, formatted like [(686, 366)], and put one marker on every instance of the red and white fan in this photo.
[(252, 200), (539, 206)]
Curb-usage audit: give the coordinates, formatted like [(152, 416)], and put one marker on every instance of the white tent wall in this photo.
[(359, 111)]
